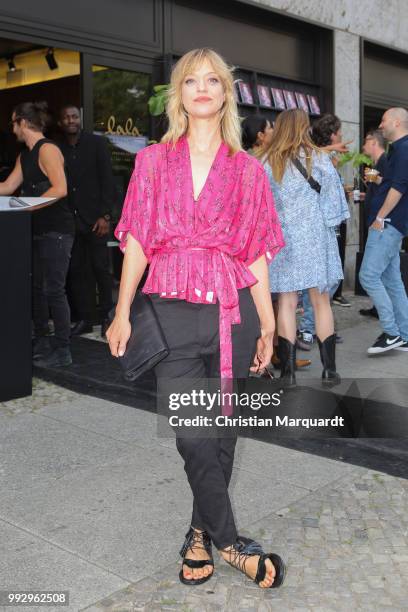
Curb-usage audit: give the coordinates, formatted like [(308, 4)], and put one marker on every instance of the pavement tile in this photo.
[(31, 562)]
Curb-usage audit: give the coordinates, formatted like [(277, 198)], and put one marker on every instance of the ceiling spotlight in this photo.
[(50, 59), (11, 64)]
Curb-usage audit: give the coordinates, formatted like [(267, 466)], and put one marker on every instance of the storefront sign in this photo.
[(128, 130)]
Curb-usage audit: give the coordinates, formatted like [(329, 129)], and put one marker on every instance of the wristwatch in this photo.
[(107, 217)]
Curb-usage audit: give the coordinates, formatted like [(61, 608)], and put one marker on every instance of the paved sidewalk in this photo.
[(94, 503)]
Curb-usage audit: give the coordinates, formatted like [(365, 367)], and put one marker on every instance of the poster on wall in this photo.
[(278, 100), (245, 92), (290, 99), (314, 104), (302, 101), (264, 96)]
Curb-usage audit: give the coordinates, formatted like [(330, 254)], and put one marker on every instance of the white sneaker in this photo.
[(403, 347), (384, 343)]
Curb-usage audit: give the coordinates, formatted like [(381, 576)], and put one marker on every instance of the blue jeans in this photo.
[(307, 321), (380, 275)]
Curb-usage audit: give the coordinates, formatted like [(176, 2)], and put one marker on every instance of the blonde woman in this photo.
[(310, 202), (199, 210)]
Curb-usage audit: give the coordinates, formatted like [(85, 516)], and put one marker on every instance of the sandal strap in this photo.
[(248, 546), (196, 540), (194, 564), (261, 571), (279, 566), (243, 549)]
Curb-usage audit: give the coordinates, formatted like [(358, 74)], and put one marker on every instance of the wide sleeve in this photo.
[(264, 233), (139, 211), (332, 200)]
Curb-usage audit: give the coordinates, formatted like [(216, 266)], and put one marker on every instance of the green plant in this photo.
[(157, 102), (356, 159)]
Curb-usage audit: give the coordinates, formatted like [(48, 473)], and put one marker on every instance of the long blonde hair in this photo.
[(291, 134), (178, 119)]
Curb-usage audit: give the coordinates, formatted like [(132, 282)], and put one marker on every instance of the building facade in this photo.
[(106, 55), (370, 65)]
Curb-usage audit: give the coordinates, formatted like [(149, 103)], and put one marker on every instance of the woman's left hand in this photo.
[(264, 352)]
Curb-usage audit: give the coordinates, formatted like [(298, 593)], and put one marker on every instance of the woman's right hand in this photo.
[(118, 335)]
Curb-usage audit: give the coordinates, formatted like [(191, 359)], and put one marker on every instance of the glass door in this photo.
[(115, 106), (120, 113), (114, 100)]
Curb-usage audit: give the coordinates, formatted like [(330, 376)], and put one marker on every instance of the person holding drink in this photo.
[(374, 147), (380, 272)]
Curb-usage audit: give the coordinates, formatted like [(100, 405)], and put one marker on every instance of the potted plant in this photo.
[(356, 160)]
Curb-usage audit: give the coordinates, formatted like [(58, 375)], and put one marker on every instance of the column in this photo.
[(347, 107)]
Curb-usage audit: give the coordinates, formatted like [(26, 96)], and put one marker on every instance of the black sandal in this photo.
[(198, 540), (245, 548)]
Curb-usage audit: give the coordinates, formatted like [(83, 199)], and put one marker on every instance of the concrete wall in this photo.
[(385, 23)]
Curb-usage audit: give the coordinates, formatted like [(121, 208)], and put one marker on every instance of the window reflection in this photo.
[(121, 114)]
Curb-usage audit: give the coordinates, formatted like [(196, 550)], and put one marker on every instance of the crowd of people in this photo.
[(70, 254), (381, 277), (71, 259)]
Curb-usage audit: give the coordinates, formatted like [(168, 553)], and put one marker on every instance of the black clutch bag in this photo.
[(147, 344)]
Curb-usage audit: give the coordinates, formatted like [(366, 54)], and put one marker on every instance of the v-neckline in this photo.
[(203, 189)]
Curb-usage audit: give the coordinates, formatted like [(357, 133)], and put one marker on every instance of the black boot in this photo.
[(327, 350), (287, 357)]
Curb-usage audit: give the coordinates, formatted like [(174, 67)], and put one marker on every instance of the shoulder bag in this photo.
[(312, 182)]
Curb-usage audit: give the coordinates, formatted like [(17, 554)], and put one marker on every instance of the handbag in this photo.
[(147, 344)]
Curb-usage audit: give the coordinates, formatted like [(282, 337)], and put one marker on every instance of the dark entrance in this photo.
[(384, 85)]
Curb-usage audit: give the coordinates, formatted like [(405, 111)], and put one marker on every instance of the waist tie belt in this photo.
[(227, 294)]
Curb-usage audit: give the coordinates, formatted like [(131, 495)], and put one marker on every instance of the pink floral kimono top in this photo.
[(200, 250)]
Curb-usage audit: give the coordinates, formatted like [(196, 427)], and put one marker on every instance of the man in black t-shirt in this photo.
[(374, 147), (380, 272), (39, 171), (91, 193)]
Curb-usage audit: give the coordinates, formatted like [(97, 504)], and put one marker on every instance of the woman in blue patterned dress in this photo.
[(310, 203)]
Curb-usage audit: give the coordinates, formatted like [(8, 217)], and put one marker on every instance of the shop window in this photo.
[(268, 95), (121, 114)]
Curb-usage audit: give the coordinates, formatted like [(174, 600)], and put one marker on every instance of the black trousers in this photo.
[(341, 241), (90, 263), (191, 331), (51, 255)]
